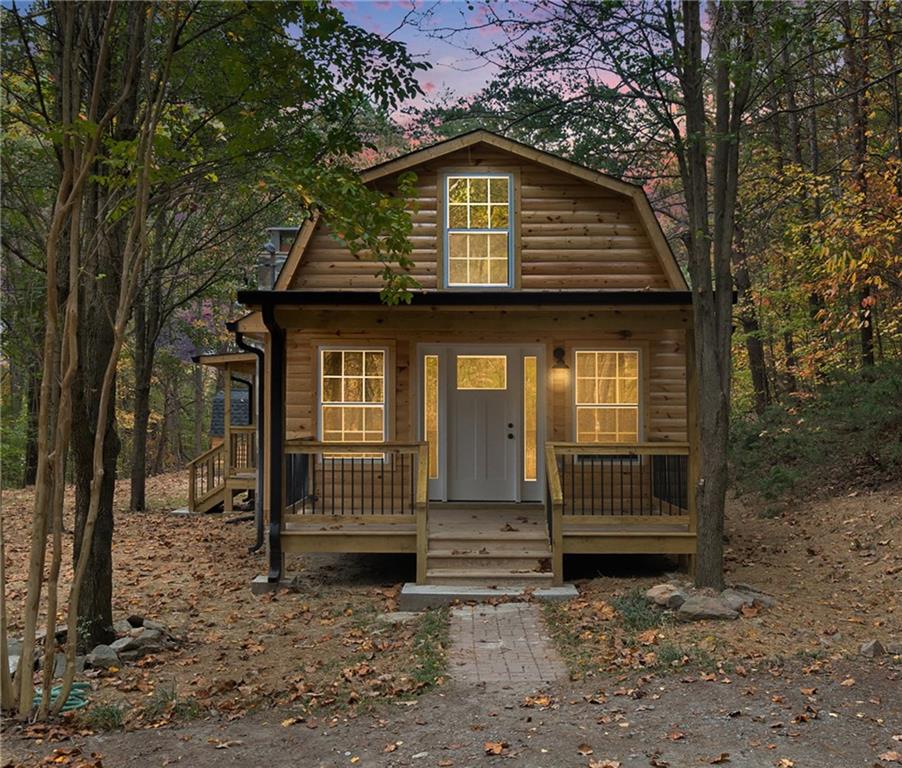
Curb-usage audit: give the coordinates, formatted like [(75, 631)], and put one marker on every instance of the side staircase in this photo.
[(488, 545), (211, 484)]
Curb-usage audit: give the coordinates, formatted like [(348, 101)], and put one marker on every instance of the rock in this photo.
[(872, 649), (894, 649), (701, 607), (151, 624), (136, 621), (14, 651), (736, 599), (122, 627), (398, 617), (666, 595), (59, 664), (150, 636), (762, 598), (125, 644), (102, 657)]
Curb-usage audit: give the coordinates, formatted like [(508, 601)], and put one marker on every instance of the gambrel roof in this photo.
[(418, 157)]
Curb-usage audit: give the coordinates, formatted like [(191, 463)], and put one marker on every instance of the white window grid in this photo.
[(598, 403), (345, 406), (469, 231)]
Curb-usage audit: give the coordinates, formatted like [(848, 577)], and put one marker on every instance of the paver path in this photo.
[(505, 643)]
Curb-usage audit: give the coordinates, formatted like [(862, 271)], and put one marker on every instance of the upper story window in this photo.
[(478, 219)]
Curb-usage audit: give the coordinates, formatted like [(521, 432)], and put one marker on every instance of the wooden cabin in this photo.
[(534, 400)]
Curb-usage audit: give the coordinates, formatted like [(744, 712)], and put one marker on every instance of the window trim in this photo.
[(641, 384), (387, 385), (446, 230)]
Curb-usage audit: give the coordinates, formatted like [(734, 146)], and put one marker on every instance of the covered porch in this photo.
[(229, 466), (386, 493)]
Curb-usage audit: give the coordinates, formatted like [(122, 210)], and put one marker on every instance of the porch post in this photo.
[(227, 437), (275, 437), (692, 473)]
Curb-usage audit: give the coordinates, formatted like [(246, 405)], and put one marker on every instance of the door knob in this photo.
[(510, 435), (510, 426)]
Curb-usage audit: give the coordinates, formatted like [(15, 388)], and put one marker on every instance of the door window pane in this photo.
[(530, 421), (482, 371), (430, 411)]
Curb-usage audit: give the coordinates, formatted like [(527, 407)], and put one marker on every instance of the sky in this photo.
[(453, 67)]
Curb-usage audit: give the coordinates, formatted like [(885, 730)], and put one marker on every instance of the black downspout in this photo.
[(261, 448), (276, 440)]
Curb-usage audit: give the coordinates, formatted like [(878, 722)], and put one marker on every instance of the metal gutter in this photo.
[(276, 440), (258, 491)]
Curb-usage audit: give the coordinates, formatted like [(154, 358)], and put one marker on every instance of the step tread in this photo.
[(478, 535), (509, 554), (487, 573)]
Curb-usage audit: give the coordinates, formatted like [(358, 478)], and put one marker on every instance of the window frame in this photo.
[(387, 387), (641, 384), (447, 230)]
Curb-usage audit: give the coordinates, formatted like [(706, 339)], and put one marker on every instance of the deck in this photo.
[(602, 499)]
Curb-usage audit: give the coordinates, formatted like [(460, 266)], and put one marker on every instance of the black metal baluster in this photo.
[(592, 461)]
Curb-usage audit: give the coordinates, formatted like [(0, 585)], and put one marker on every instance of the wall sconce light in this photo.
[(559, 364)]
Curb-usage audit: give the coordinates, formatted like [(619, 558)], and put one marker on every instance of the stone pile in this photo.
[(692, 604), (137, 637)]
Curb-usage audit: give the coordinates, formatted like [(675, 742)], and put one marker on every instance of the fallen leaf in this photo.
[(723, 757), (676, 735), (604, 764), (390, 747), (495, 747), (848, 682), (584, 749), (892, 756)]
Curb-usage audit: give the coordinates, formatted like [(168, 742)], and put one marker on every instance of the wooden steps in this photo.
[(489, 545)]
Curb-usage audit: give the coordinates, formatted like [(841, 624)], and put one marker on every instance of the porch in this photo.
[(601, 499), (229, 467)]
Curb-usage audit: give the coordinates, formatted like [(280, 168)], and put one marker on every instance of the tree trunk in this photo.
[(143, 369), (856, 60), (751, 328), (32, 394)]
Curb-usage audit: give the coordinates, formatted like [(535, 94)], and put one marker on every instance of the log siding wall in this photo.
[(568, 233), (663, 378)]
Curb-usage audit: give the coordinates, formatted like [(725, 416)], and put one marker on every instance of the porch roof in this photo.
[(454, 298)]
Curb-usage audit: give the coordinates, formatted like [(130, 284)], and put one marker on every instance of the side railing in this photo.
[(243, 448), (378, 483), (635, 486), (206, 475)]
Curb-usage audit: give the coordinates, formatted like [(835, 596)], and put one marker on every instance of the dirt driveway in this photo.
[(802, 716)]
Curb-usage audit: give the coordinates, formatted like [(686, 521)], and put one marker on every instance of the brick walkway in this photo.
[(504, 643)]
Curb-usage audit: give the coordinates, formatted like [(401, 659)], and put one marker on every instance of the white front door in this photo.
[(484, 426)]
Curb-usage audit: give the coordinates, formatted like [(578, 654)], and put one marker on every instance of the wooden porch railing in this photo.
[(243, 448), (358, 483), (206, 475), (628, 485)]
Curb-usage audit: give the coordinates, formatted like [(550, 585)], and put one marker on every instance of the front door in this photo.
[(484, 426)]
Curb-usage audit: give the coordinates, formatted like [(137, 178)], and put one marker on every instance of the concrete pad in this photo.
[(183, 512), (260, 585), (418, 597)]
